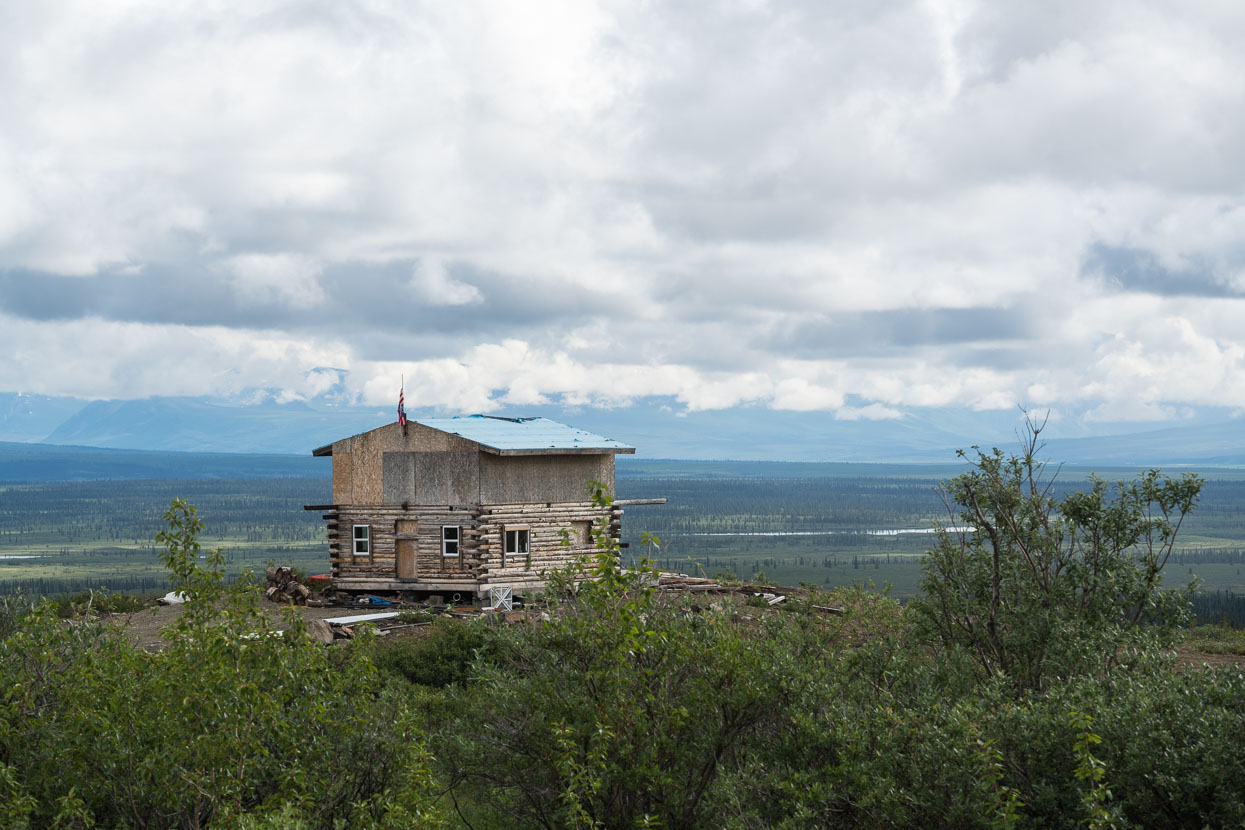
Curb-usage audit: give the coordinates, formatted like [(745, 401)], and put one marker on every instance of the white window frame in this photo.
[(521, 533), (522, 540), (457, 541), (361, 546)]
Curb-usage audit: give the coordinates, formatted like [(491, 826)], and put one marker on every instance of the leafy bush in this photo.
[(14, 608), (232, 718), (623, 708), (1033, 586), (626, 708), (442, 657), (99, 602), (1215, 639)]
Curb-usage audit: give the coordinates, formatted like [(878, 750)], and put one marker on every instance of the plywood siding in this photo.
[(542, 478), (363, 473), (343, 491), (399, 478)]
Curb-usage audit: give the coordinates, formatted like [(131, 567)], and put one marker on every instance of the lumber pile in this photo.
[(683, 584), (282, 588)]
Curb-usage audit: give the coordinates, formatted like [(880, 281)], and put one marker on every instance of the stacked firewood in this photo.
[(283, 587)]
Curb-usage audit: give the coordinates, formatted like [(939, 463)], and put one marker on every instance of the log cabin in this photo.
[(459, 505)]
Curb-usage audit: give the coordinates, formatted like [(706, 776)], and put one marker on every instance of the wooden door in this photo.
[(405, 549)]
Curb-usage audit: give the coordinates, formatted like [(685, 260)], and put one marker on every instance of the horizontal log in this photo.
[(512, 507), (552, 512)]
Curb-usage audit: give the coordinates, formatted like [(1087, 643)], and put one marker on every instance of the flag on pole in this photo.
[(402, 405)]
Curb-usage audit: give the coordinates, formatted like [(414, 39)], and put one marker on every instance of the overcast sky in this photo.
[(856, 207)]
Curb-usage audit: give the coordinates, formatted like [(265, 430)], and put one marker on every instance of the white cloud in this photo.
[(94, 358), (433, 285), (872, 412), (592, 202), (276, 279), (800, 395)]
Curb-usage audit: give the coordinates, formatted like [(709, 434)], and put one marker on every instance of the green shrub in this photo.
[(1035, 587), (230, 719), (99, 602), (14, 608), (443, 656), (1215, 639), (411, 615)]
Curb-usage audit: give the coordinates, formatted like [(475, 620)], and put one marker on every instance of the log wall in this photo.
[(481, 539)]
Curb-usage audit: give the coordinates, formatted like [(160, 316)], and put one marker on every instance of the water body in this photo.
[(889, 532)]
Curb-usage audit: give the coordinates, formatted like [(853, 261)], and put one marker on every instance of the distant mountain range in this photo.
[(48, 462), (196, 425), (656, 427), (33, 417)]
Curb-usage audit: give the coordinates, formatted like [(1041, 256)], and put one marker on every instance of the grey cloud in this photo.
[(773, 209), (880, 333), (1005, 358), (363, 302), (1138, 270), (153, 296)]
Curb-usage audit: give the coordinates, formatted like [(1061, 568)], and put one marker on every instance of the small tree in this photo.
[(1031, 585)]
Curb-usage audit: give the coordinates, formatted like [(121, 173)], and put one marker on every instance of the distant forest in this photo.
[(91, 533)]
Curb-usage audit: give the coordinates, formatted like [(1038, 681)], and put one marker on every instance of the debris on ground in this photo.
[(283, 588), (368, 599), (678, 584)]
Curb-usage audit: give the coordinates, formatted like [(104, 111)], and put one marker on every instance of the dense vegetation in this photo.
[(231, 725), (88, 534), (50, 462), (617, 706), (73, 536)]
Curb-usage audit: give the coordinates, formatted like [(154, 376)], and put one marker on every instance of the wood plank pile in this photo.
[(282, 588), (683, 584)]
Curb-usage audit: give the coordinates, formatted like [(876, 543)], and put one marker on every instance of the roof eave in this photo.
[(561, 451), (320, 452)]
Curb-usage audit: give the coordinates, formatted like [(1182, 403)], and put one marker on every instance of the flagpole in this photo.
[(402, 403)]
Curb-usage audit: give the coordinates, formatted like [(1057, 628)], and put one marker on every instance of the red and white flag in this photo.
[(402, 406)]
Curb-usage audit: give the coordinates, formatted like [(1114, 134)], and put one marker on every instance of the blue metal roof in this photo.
[(523, 434)]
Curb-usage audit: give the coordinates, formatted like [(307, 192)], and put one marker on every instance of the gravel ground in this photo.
[(1187, 658), (144, 627)]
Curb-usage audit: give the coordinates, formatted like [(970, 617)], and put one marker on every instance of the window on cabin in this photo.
[(362, 541), (581, 534), (449, 540), (517, 543)]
